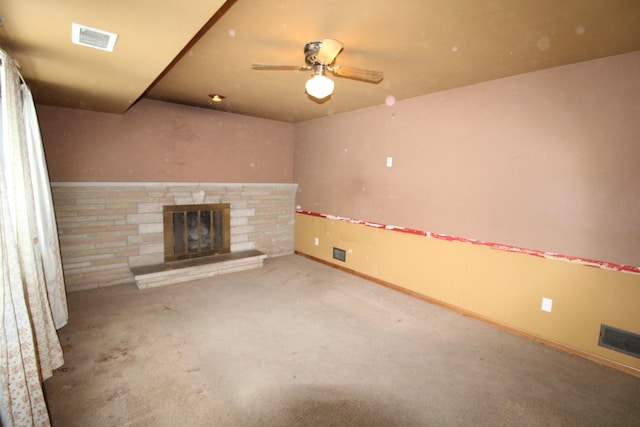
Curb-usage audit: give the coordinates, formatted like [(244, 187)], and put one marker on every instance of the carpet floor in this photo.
[(298, 343)]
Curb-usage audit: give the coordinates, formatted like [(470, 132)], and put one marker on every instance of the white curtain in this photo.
[(32, 293)]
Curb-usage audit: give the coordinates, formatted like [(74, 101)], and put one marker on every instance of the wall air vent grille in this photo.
[(619, 340), (92, 37), (339, 254)]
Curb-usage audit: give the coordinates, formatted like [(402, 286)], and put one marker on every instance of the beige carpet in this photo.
[(299, 343)]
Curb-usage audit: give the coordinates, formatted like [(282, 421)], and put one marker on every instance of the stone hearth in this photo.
[(168, 273)]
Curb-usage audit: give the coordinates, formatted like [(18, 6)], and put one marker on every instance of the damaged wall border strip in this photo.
[(498, 246)]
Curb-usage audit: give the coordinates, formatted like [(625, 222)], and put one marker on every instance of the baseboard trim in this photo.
[(511, 329)]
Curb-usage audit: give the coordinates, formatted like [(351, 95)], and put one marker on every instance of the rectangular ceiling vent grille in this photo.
[(619, 340), (92, 37)]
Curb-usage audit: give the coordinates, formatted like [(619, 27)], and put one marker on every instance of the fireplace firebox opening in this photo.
[(196, 230)]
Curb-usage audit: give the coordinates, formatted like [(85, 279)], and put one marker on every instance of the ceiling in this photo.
[(182, 51)]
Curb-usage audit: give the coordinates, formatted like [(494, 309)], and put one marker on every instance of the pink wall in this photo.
[(156, 141), (547, 161)]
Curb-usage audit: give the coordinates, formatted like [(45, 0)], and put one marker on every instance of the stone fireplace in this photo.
[(110, 231), (197, 244), (192, 231)]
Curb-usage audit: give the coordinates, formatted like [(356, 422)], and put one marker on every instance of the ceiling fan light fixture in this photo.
[(319, 86)]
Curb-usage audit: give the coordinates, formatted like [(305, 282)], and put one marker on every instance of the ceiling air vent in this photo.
[(619, 340), (92, 37)]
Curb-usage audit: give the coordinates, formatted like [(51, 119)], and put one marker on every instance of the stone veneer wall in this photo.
[(107, 228)]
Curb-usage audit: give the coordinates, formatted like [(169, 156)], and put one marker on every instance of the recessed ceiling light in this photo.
[(215, 97)]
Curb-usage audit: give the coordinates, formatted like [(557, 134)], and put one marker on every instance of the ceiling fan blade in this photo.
[(328, 51), (357, 73), (279, 67)]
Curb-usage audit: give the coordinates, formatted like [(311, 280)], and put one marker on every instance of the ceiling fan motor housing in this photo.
[(311, 52), (320, 56)]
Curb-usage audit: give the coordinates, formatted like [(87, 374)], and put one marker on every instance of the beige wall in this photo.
[(157, 141), (502, 287), (546, 161)]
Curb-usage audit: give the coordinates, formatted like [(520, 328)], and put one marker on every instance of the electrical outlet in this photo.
[(389, 162), (316, 241), (547, 303)]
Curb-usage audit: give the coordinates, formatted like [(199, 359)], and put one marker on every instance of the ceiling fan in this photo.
[(320, 57)]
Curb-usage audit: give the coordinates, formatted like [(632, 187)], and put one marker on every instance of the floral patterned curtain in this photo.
[(29, 345)]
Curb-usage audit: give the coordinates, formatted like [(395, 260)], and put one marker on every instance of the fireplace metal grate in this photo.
[(196, 230)]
